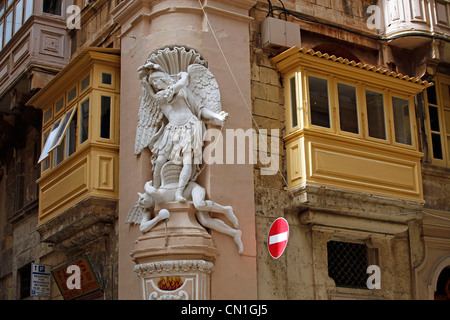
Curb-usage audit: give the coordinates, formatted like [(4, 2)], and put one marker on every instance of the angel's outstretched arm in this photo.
[(211, 115), (183, 82)]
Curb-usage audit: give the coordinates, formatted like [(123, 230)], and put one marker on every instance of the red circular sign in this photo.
[(278, 237)]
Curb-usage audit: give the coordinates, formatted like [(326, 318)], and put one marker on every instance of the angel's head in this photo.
[(160, 80)]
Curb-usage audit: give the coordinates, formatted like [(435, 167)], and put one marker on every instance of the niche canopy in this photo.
[(176, 59)]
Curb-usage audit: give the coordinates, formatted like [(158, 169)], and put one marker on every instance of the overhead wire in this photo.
[(284, 11), (238, 87), (270, 11), (436, 216)]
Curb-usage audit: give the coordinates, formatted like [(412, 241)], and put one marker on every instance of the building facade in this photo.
[(338, 121)]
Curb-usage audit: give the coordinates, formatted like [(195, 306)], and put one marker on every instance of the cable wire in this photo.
[(237, 85), (284, 11), (270, 12)]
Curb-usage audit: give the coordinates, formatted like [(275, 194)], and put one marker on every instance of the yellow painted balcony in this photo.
[(350, 126), (80, 135)]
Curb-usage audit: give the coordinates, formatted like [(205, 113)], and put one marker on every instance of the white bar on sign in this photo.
[(278, 238)]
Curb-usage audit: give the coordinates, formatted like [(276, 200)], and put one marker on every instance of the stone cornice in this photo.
[(128, 13), (81, 217), (243, 4)]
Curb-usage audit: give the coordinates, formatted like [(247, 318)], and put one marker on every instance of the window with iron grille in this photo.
[(347, 263)]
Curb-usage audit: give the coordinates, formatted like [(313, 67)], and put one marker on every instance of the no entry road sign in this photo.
[(278, 237)]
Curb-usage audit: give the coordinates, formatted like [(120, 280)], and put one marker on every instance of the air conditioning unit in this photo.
[(277, 33)]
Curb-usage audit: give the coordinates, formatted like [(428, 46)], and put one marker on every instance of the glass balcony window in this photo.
[(105, 120), (13, 15), (56, 137), (438, 120), (84, 121), (52, 7), (18, 15), (402, 121), (375, 114), (293, 100), (318, 95), (383, 119), (8, 26), (348, 108)]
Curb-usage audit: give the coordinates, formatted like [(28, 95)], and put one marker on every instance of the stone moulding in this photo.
[(182, 295), (174, 265), (130, 13)]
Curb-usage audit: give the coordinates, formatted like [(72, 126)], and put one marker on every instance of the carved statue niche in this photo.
[(179, 97)]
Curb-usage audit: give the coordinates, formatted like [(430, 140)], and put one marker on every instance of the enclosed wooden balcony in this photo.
[(34, 46), (80, 139), (412, 23), (350, 126)]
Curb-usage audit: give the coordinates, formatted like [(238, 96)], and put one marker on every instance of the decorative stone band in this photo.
[(182, 295), (174, 265)]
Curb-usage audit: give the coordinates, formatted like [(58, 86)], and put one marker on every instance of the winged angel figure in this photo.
[(172, 118), (173, 115)]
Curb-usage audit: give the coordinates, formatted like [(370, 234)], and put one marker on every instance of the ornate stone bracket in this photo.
[(175, 260), (175, 279)]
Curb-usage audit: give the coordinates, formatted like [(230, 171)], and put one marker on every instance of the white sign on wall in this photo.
[(40, 280)]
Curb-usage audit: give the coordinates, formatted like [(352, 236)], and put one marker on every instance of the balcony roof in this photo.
[(83, 59), (286, 61)]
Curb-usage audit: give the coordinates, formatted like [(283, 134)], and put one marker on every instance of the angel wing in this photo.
[(135, 214), (150, 119), (204, 89)]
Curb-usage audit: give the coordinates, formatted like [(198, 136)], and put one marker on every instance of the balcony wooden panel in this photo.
[(91, 172), (335, 163), (339, 162), (63, 189), (105, 180)]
